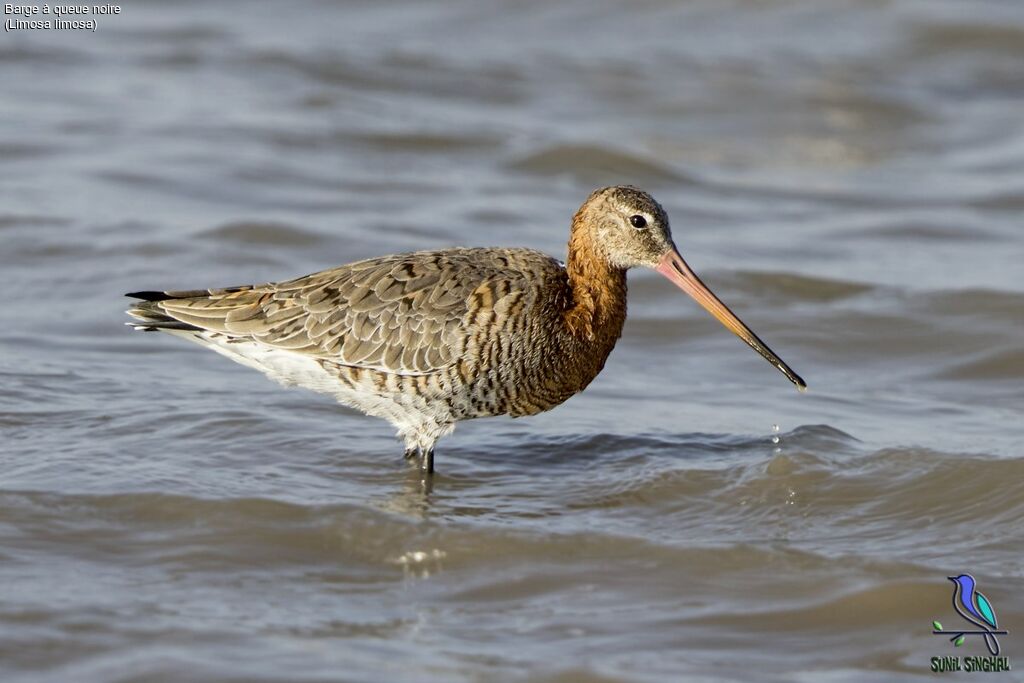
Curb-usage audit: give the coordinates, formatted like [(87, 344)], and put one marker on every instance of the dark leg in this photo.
[(428, 461)]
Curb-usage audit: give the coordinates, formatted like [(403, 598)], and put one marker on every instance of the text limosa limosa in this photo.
[(430, 338)]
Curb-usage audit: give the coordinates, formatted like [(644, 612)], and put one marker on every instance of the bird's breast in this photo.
[(521, 356)]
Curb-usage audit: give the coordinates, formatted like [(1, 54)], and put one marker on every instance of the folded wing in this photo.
[(402, 314)]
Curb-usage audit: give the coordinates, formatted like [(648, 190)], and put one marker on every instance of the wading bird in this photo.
[(427, 339)]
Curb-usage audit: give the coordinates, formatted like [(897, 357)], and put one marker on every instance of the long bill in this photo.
[(675, 269)]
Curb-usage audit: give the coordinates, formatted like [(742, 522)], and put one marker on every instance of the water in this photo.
[(844, 174)]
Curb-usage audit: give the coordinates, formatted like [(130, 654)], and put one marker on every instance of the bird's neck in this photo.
[(598, 305)]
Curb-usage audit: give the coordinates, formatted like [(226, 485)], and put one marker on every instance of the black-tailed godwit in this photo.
[(430, 338)]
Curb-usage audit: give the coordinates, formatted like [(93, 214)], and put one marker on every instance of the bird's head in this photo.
[(627, 228)]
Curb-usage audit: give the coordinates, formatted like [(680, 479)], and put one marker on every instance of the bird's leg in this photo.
[(425, 437), (426, 484)]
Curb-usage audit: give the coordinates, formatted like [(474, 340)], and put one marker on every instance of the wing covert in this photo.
[(400, 314)]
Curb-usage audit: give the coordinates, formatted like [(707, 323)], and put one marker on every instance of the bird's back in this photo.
[(445, 325)]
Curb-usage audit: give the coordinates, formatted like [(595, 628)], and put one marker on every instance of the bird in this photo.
[(972, 605), (427, 339)]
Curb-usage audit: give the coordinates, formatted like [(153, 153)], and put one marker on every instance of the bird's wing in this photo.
[(399, 314)]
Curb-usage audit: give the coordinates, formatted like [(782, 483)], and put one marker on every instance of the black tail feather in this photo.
[(157, 326), (151, 318), (150, 296), (164, 296), (185, 294)]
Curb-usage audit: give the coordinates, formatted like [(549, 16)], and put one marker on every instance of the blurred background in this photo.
[(845, 174)]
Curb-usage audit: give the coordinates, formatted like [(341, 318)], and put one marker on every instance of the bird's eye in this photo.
[(638, 221)]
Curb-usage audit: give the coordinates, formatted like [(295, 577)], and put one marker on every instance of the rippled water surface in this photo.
[(845, 174)]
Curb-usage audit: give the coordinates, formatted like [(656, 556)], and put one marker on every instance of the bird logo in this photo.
[(972, 605)]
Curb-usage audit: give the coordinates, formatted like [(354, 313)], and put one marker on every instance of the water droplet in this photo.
[(418, 557)]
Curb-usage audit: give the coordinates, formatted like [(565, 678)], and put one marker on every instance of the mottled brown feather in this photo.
[(399, 314)]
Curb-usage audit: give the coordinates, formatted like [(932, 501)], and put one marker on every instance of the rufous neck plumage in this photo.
[(598, 303)]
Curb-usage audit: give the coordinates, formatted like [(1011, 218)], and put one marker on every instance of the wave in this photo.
[(262, 232), (595, 165)]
